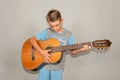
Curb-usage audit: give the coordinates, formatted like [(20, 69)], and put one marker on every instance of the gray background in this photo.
[(89, 20)]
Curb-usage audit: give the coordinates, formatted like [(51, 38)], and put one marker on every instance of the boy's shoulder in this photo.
[(67, 31)]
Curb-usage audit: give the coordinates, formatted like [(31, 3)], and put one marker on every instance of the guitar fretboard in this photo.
[(70, 47)]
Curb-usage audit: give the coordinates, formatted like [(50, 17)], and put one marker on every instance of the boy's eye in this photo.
[(57, 25)]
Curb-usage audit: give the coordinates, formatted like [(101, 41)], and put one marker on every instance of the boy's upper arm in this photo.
[(41, 35)]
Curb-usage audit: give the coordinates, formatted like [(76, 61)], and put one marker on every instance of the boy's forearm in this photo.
[(86, 47), (76, 51), (35, 45)]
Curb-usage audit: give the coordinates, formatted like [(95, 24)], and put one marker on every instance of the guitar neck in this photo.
[(70, 47)]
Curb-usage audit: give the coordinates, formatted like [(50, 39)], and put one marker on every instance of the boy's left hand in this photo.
[(86, 48)]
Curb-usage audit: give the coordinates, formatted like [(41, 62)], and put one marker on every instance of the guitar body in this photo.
[(32, 59)]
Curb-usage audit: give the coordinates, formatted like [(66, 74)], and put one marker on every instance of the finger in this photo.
[(49, 60), (89, 47), (49, 50), (46, 61), (48, 55)]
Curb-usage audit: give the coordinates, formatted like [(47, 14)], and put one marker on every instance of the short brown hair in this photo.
[(53, 15)]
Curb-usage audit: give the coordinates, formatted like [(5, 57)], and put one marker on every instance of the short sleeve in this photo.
[(71, 40), (42, 35)]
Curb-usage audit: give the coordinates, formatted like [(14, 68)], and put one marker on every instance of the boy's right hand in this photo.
[(44, 53), (46, 56)]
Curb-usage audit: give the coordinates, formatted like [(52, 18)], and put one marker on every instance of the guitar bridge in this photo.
[(33, 53)]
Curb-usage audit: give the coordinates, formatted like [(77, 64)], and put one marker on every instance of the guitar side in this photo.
[(28, 53)]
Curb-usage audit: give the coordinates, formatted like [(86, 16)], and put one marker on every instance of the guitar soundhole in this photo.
[(49, 48)]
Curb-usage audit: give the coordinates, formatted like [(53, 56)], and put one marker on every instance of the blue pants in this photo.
[(50, 74)]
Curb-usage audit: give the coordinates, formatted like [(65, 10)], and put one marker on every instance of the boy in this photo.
[(54, 71)]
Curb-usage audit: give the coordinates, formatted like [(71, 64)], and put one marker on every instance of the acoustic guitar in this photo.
[(32, 59)]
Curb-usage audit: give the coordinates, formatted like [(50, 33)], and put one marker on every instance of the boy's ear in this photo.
[(62, 20)]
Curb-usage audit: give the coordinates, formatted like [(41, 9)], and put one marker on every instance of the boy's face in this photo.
[(56, 26)]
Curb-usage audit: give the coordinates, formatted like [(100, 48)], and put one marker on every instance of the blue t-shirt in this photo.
[(65, 38)]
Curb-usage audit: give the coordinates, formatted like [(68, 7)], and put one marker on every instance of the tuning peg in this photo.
[(101, 48), (98, 48)]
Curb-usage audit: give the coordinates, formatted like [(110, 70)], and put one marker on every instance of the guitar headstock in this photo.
[(101, 44)]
